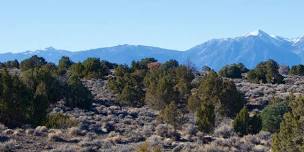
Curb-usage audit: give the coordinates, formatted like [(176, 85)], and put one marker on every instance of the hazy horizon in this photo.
[(52, 47), (75, 26)]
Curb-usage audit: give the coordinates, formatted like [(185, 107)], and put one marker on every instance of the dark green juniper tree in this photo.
[(243, 124), (77, 94), (233, 70), (290, 136), (206, 118), (15, 100), (64, 64), (216, 93), (266, 72)]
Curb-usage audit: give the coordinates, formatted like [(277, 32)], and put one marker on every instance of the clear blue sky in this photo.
[(174, 24)]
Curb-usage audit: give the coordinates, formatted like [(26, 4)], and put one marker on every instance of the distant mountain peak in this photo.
[(298, 39), (258, 33), (250, 49), (50, 48)]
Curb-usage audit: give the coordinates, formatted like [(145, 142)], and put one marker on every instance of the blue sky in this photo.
[(174, 24)]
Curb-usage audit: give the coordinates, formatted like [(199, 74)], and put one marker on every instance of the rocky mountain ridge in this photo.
[(249, 49)]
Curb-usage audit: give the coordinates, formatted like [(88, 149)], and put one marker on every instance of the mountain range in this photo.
[(249, 49)]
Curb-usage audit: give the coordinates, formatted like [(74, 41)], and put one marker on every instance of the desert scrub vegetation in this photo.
[(213, 99), (10, 64), (205, 120), (152, 83), (128, 82), (26, 96), (146, 147), (272, 116), (94, 68), (169, 82), (243, 124), (15, 100), (222, 93), (266, 72), (128, 86), (172, 91), (32, 62), (224, 129), (290, 136), (297, 70), (233, 70), (60, 121), (89, 68), (171, 115), (77, 94), (64, 64), (255, 143)]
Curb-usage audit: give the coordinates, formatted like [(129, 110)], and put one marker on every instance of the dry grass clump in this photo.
[(116, 139), (75, 131), (146, 147), (66, 148), (189, 129), (92, 144), (55, 135), (40, 130), (224, 131), (256, 143), (165, 130), (212, 147), (60, 121), (260, 148)]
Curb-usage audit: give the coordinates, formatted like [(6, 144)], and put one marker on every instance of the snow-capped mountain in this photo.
[(299, 43), (249, 49)]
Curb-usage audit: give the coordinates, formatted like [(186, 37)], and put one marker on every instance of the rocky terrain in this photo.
[(109, 127), (258, 95)]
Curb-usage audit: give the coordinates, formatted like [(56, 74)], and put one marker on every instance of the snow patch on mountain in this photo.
[(249, 49)]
